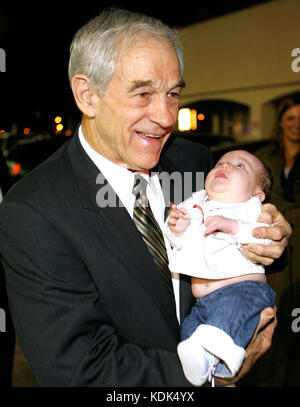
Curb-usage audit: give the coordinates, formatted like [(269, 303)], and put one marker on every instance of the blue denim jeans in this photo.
[(234, 308)]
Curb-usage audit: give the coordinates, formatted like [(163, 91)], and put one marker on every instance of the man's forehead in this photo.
[(146, 48), (143, 64)]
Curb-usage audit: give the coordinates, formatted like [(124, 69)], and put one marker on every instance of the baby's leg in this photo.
[(223, 323)]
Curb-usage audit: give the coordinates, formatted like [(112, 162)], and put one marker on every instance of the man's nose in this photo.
[(162, 114)]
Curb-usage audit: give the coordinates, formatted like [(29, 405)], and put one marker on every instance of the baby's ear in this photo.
[(261, 195)]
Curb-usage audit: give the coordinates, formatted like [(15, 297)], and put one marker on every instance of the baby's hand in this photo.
[(179, 220), (216, 224)]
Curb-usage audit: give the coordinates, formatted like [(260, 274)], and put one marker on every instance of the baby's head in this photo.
[(237, 177)]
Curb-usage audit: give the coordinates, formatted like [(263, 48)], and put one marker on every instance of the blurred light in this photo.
[(59, 127), (26, 131), (68, 132), (16, 169), (2, 131), (184, 119), (193, 119), (201, 116), (58, 119)]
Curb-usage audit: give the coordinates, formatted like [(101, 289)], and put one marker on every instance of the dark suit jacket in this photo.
[(7, 339), (86, 297)]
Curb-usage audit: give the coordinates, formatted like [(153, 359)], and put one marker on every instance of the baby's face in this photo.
[(234, 178)]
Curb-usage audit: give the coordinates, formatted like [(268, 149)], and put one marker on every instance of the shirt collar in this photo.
[(121, 179)]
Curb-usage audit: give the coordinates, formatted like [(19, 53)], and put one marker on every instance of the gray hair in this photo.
[(96, 45)]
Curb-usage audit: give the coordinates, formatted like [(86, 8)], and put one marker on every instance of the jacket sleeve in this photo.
[(64, 328)]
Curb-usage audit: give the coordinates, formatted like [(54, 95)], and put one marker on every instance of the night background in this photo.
[(35, 89), (36, 39)]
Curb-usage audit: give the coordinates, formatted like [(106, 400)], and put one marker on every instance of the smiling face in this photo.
[(138, 112), (290, 124), (235, 178)]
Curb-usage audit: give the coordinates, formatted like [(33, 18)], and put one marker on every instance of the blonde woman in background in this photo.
[(279, 366)]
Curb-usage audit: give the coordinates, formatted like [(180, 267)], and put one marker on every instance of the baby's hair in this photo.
[(265, 179)]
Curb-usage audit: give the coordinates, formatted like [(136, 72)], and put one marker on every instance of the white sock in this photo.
[(195, 363)]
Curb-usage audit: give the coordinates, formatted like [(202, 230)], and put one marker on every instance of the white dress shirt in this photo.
[(122, 180)]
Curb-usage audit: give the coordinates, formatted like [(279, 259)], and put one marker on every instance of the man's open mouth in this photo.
[(149, 135)]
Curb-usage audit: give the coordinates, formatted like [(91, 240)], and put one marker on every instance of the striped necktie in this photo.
[(150, 230)]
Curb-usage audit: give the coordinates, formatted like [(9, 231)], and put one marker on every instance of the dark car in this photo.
[(26, 154), (5, 179)]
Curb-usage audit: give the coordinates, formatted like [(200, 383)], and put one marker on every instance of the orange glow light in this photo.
[(193, 119), (16, 169), (58, 119), (201, 116), (59, 127), (26, 131)]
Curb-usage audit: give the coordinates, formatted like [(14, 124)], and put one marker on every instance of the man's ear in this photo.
[(84, 95), (261, 195)]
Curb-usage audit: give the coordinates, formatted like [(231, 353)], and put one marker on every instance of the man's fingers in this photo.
[(271, 215), (262, 337), (275, 233), (258, 254), (266, 316), (268, 213), (266, 254), (272, 251)]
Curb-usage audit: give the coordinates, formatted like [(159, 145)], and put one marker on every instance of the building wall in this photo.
[(244, 57)]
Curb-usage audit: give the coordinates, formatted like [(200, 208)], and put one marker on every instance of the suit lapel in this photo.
[(117, 231), (124, 241), (186, 298)]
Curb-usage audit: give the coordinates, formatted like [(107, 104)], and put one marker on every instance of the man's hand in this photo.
[(279, 233), (259, 344)]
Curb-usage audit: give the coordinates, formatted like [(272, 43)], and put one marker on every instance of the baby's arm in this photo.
[(241, 230), (178, 220), (221, 224)]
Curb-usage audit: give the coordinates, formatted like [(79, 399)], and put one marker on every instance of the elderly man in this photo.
[(92, 300)]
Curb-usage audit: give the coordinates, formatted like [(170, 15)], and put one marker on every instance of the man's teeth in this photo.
[(150, 135)]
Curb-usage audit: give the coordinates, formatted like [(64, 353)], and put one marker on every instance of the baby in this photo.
[(206, 232)]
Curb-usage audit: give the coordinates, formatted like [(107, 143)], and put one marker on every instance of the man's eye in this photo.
[(174, 94), (240, 165), (143, 94)]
